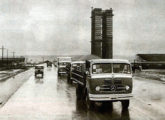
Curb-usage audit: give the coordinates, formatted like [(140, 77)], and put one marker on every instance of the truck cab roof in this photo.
[(64, 59), (109, 61), (74, 62)]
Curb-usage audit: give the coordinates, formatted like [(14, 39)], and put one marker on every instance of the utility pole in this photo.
[(7, 58), (13, 55), (13, 58), (2, 53)]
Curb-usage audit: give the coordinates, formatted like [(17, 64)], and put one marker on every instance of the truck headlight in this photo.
[(97, 88), (127, 87)]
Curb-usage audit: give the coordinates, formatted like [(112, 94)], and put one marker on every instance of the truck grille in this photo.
[(112, 86), (117, 82), (107, 82)]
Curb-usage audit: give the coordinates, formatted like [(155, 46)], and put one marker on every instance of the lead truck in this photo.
[(104, 81)]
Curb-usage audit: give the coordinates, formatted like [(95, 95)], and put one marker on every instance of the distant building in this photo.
[(101, 33), (151, 57), (150, 61)]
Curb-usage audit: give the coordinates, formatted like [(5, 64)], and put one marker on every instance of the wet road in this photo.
[(51, 98)]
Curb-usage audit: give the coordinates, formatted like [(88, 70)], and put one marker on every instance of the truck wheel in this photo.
[(58, 74), (125, 104), (68, 78), (78, 92), (89, 103), (71, 81)]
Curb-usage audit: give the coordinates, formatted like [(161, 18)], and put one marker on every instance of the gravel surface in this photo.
[(152, 74)]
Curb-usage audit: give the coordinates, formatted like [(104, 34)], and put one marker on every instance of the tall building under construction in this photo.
[(101, 33)]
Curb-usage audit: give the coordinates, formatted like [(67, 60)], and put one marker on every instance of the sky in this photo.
[(53, 27)]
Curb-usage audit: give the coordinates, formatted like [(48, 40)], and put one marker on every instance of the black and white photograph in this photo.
[(82, 59)]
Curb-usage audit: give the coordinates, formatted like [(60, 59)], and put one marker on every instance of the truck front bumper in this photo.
[(109, 97)]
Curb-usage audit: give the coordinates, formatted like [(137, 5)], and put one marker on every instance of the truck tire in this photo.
[(71, 81), (89, 103), (84, 94), (58, 74), (78, 92), (68, 78), (125, 104)]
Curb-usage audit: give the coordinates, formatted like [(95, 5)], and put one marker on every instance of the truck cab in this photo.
[(62, 62), (106, 80), (75, 71)]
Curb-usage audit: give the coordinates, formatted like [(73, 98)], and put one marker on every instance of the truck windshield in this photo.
[(39, 67), (63, 64), (102, 68), (121, 68), (74, 65)]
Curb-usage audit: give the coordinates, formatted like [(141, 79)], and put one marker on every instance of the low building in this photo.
[(11, 62), (150, 61)]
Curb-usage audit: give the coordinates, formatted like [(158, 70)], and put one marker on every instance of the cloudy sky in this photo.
[(48, 27)]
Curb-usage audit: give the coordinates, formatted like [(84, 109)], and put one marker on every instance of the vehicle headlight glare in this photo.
[(98, 88), (127, 87)]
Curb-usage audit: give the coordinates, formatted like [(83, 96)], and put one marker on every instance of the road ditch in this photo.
[(5, 75)]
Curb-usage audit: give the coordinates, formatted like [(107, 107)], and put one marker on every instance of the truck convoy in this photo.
[(103, 81), (62, 62)]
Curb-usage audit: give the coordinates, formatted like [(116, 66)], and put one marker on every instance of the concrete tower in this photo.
[(101, 33), (96, 26), (107, 46)]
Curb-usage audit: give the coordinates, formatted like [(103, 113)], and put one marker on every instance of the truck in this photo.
[(104, 81), (39, 70), (62, 62), (74, 69)]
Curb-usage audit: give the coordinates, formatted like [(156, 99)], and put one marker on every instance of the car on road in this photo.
[(105, 81), (39, 70), (62, 62), (74, 69), (49, 64)]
